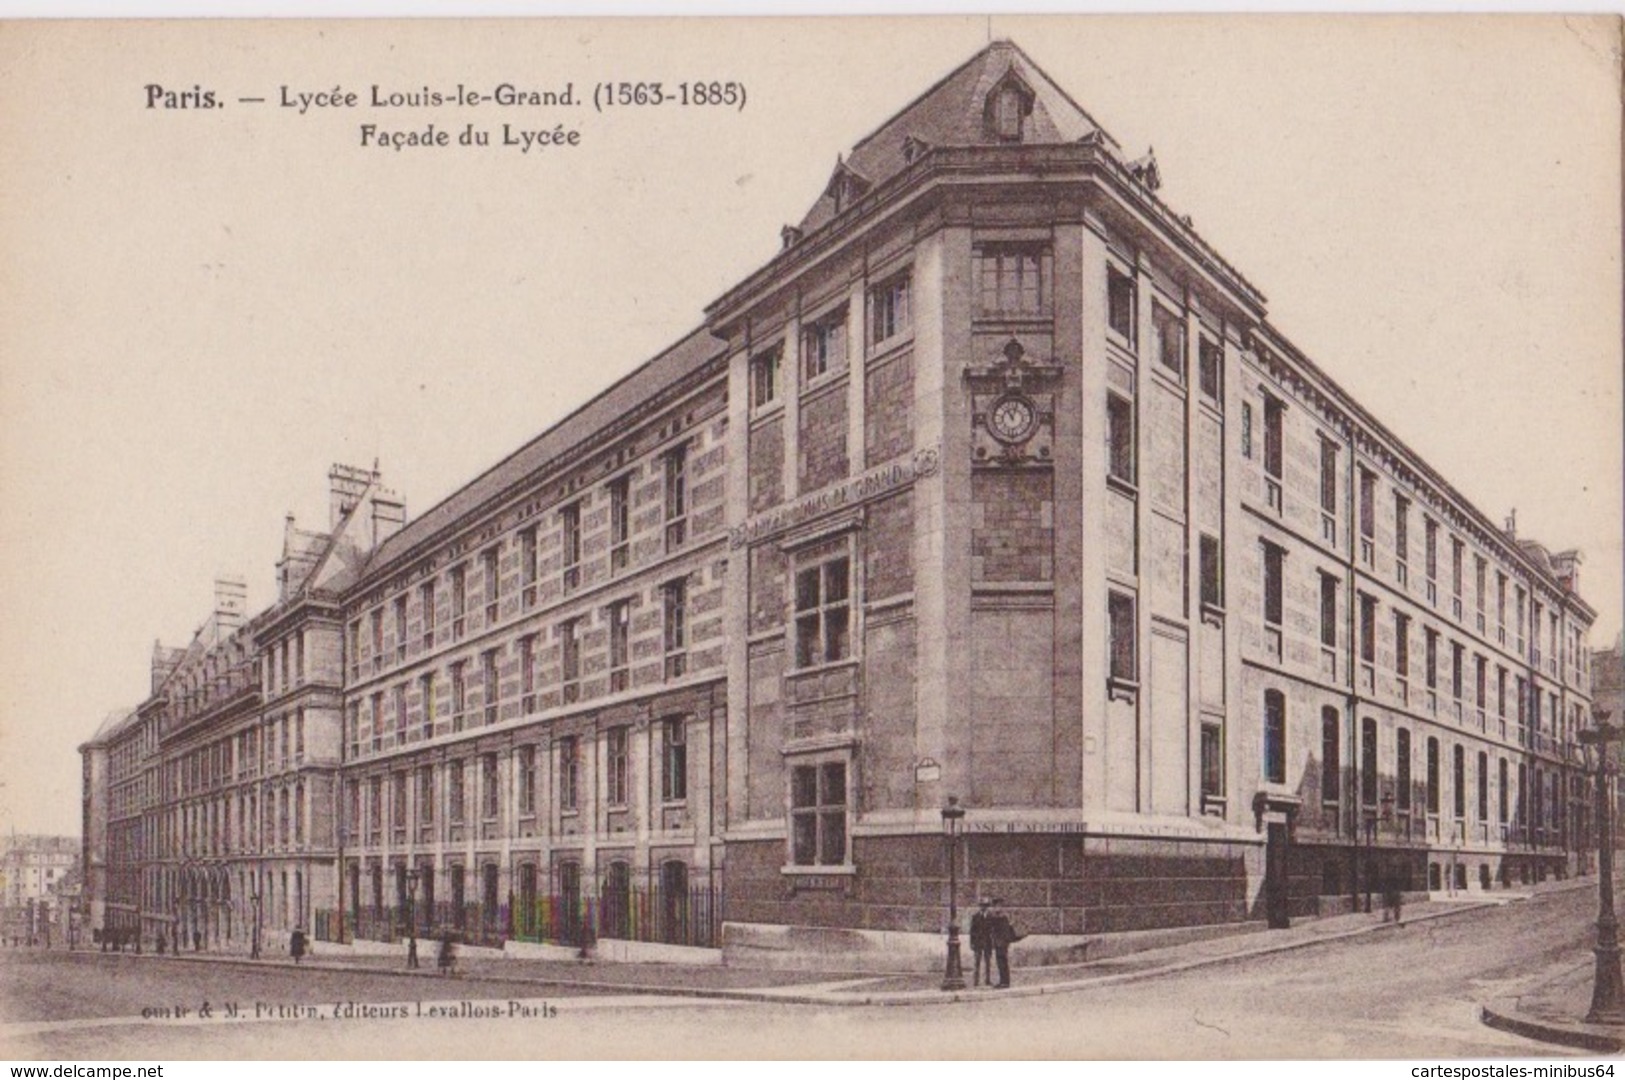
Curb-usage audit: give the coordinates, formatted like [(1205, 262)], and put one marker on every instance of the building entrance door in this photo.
[(1275, 878)]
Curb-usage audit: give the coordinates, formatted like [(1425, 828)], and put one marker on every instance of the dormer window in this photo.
[(1008, 106)]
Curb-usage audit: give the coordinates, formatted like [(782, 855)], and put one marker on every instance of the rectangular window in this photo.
[(1368, 504), (527, 674), (456, 804), (489, 787), (1120, 438), (616, 765), (459, 694), (1210, 356), (1402, 767), (490, 688), (1458, 665), (1169, 346), (1274, 737), (570, 543), (426, 602), (459, 600), (1272, 584), (527, 779), (1432, 657), (1246, 430), (1480, 680), (1430, 531), (400, 628), (1480, 574), (569, 772), (674, 760), (1368, 762), (1013, 279), (570, 659), (1402, 523), (489, 571), (1274, 436), (818, 814), (1458, 780), (1433, 776), (1212, 761), (375, 627), (1483, 786), (620, 523), (1501, 783), (397, 799), (1212, 572), (1456, 548), (674, 466), (889, 309), (823, 345), (1328, 610), (620, 653), (425, 794), (1328, 477), (1368, 628), (764, 376), (426, 694), (378, 724), (674, 611), (823, 611), (1124, 637), (1120, 304)]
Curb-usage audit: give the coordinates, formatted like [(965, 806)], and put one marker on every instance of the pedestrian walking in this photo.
[(447, 957), (981, 946), (296, 944), (1393, 898), (162, 943), (1001, 935)]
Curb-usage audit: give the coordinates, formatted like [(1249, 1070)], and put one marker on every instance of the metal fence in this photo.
[(662, 904)]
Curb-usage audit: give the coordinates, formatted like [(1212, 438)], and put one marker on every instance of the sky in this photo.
[(202, 310)]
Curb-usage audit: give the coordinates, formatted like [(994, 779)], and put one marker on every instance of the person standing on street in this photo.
[(981, 945), (1001, 935)]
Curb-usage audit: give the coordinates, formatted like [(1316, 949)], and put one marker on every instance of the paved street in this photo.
[(1411, 993)]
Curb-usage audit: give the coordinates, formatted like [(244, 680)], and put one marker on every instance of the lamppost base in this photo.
[(1608, 989), (953, 977)]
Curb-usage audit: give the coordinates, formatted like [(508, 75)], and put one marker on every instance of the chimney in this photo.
[(1512, 524), (1567, 565), (346, 485), (230, 602), (388, 515)]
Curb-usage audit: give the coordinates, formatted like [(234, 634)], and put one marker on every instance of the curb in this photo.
[(797, 995), (1582, 1037)]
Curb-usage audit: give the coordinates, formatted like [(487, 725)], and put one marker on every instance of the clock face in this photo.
[(1012, 419)]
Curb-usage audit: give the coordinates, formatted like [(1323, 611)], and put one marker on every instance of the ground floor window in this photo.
[(818, 810)]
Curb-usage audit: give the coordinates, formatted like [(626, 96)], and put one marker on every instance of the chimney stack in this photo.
[(230, 601), (346, 486), (388, 515)]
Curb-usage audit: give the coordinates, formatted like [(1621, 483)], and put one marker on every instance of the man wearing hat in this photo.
[(981, 944), (1000, 936)]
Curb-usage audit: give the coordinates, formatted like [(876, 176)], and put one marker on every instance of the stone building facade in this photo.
[(995, 484)]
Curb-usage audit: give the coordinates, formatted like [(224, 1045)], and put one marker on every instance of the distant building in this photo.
[(996, 483)]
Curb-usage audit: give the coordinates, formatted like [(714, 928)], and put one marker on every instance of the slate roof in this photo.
[(951, 113), (688, 355)]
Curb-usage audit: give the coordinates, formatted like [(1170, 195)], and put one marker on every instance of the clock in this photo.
[(1012, 418)]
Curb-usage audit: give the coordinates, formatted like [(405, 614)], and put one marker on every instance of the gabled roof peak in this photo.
[(997, 96)]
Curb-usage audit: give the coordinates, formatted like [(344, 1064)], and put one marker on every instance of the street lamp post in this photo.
[(412, 917), (1608, 989), (953, 976)]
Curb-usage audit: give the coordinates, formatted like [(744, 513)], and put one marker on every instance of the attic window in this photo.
[(1008, 105)]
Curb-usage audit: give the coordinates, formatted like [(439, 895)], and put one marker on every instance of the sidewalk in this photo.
[(1554, 1010), (825, 988)]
